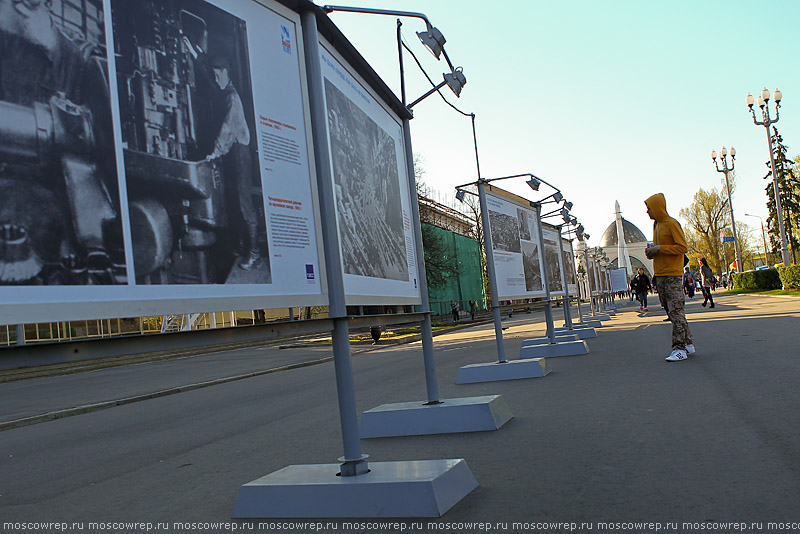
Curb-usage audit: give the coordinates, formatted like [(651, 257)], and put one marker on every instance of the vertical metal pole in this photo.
[(778, 207), (599, 284), (487, 244), (733, 220), (353, 462), (725, 258), (548, 307), (20, 331), (567, 314), (578, 287), (475, 141), (589, 281), (764, 237), (425, 327)]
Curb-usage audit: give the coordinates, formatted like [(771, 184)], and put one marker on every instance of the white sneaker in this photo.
[(690, 349), (676, 355)]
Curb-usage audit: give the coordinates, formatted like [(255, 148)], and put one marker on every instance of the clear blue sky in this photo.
[(608, 100)]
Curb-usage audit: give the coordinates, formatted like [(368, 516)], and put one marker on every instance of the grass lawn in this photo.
[(787, 292)]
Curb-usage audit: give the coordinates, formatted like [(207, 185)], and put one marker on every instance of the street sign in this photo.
[(727, 239)]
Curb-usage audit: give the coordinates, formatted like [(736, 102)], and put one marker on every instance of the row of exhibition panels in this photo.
[(364, 160)]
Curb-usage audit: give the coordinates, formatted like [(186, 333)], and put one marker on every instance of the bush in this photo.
[(790, 276), (762, 279)]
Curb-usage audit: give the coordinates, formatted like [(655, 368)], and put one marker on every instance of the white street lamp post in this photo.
[(723, 155), (767, 121)]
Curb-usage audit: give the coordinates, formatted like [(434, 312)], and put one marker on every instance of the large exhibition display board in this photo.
[(553, 259), (591, 269), (569, 266), (156, 160), (517, 252), (619, 280), (370, 181)]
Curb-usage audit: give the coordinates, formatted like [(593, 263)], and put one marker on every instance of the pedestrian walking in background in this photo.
[(641, 286), (454, 310), (473, 308), (688, 282), (708, 279), (667, 254)]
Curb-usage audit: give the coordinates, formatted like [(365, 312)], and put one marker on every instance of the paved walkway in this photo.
[(617, 436)]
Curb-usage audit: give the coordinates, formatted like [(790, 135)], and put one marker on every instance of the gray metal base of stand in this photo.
[(426, 488), (560, 337), (601, 317), (587, 323), (581, 333), (495, 371), (471, 414), (554, 350)]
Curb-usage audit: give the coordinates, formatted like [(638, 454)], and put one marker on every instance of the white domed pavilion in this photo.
[(636, 242)]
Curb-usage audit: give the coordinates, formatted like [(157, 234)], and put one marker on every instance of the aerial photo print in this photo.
[(368, 202)]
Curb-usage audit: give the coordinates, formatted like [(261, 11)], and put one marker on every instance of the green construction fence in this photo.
[(465, 283)]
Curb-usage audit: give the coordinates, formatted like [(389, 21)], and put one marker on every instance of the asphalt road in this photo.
[(616, 436)]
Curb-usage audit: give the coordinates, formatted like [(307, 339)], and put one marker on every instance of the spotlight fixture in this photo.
[(433, 40), (534, 183), (456, 80)]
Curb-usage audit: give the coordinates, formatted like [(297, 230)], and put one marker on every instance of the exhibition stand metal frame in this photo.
[(532, 365), (354, 487)]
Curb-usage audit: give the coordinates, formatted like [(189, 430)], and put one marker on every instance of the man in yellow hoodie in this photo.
[(667, 255)]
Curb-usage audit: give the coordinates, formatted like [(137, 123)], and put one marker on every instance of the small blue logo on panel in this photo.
[(286, 40), (310, 273)]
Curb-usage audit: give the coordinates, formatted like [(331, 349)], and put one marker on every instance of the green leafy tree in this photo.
[(471, 207), (439, 257), (707, 218), (789, 191)]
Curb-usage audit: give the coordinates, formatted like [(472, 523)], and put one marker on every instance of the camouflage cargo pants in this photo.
[(670, 291)]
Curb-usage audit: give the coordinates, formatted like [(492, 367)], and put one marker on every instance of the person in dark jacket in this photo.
[(641, 286), (688, 282), (707, 276)]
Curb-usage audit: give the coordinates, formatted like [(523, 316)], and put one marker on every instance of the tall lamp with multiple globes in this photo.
[(766, 121), (723, 156)]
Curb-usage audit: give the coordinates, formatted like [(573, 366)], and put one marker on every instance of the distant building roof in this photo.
[(444, 217), (631, 231)]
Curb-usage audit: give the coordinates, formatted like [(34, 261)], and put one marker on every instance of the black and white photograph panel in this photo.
[(532, 267), (368, 203), (592, 277), (188, 127), (569, 265), (59, 195), (505, 232), (524, 227), (553, 265)]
